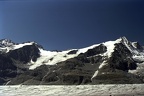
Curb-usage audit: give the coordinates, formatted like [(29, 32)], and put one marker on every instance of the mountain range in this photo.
[(113, 62)]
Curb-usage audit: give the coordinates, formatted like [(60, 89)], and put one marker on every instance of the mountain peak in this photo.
[(124, 39), (6, 43)]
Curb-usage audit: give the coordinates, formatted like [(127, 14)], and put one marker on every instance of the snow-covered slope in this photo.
[(52, 58), (6, 45)]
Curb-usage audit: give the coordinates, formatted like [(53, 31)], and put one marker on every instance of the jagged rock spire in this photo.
[(124, 39)]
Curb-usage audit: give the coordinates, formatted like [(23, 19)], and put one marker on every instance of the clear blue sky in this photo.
[(66, 24)]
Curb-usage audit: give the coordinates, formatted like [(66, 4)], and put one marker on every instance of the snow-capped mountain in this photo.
[(6, 43), (119, 61)]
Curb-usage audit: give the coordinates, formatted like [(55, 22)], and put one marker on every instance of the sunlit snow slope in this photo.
[(52, 58)]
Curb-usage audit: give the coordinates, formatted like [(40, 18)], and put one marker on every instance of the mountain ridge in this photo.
[(111, 62)]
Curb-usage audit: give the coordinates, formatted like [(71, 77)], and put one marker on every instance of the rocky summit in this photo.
[(112, 62)]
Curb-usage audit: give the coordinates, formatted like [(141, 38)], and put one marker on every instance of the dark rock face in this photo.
[(33, 77), (72, 52), (7, 69), (25, 54), (116, 71), (6, 63), (121, 58), (2, 81), (97, 50), (12, 63)]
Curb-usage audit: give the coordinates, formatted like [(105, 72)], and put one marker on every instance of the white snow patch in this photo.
[(83, 50), (22, 45), (51, 58), (95, 74), (110, 47), (13, 47), (138, 58), (103, 64), (132, 71), (133, 44)]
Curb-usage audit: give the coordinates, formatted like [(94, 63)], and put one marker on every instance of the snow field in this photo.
[(73, 90)]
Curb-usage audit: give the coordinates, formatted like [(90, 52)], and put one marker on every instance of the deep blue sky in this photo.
[(66, 24)]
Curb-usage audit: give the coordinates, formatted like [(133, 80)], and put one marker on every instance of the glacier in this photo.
[(73, 90)]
